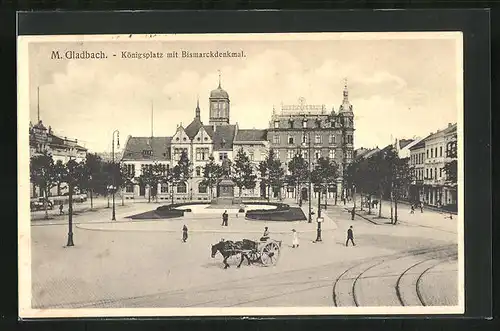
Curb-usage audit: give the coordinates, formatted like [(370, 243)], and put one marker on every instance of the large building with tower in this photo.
[(307, 129)]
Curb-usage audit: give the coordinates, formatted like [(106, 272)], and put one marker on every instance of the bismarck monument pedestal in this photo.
[(225, 189)]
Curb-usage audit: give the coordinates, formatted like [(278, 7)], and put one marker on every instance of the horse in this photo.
[(230, 248)]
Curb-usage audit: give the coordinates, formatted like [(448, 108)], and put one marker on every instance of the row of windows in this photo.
[(434, 152), (318, 139), (430, 173), (180, 188), (417, 158), (317, 123)]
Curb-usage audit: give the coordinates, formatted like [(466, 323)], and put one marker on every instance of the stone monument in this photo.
[(225, 188)]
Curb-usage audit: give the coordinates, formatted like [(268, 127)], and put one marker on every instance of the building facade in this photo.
[(305, 129), (314, 132), (62, 149), (428, 159)]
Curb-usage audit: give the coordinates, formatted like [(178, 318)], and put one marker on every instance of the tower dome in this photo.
[(219, 106), (219, 93)]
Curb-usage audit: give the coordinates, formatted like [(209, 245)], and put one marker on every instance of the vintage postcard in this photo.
[(241, 174)]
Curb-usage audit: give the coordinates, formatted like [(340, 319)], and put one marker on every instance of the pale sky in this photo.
[(402, 88)]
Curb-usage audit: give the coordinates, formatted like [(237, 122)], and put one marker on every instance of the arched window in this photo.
[(202, 188), (198, 171), (164, 188), (181, 187)]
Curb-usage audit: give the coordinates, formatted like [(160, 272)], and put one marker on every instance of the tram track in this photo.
[(356, 272)]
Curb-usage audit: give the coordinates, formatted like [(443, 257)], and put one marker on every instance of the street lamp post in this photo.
[(113, 218), (354, 196), (318, 231), (310, 180)]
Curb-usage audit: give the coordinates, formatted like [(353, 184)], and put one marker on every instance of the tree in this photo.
[(42, 174), (243, 175), (299, 172), (211, 174), (127, 178), (152, 175), (325, 173), (59, 172), (92, 175), (181, 172), (400, 180), (272, 173)]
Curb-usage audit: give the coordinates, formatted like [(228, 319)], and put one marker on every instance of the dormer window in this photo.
[(318, 123), (276, 124), (304, 123), (291, 123), (147, 152)]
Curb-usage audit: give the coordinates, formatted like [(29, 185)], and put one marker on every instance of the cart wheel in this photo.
[(269, 254)]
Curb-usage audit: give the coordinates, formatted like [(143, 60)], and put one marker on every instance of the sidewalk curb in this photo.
[(193, 231)]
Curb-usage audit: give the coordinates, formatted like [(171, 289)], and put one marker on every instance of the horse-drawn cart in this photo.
[(265, 253)]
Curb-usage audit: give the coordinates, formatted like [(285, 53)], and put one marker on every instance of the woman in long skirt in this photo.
[(295, 241)]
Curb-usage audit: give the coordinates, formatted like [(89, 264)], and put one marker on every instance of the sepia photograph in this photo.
[(240, 174)]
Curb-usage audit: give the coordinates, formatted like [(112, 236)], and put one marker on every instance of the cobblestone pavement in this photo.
[(146, 264)]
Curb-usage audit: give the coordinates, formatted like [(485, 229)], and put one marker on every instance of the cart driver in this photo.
[(265, 235)]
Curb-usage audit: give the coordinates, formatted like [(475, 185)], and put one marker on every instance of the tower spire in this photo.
[(198, 107), (346, 91), (219, 78), (38, 102)]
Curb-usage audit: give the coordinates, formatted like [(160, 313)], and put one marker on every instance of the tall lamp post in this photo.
[(310, 180), (113, 218), (70, 204), (318, 231)]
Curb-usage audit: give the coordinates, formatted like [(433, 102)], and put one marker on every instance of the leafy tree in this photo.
[(152, 175), (243, 175), (299, 172), (42, 174), (401, 179), (272, 173), (211, 174), (181, 172), (59, 172), (92, 176), (325, 173)]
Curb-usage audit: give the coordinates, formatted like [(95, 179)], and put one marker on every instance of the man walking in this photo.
[(224, 218), (61, 207), (412, 211), (350, 236), (353, 213), (184, 233)]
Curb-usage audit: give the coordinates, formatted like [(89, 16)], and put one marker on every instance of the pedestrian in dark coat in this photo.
[(61, 207), (412, 211), (353, 213), (184, 233), (350, 236), (225, 218)]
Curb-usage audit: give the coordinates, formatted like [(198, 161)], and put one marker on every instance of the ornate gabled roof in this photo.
[(193, 128), (135, 147)]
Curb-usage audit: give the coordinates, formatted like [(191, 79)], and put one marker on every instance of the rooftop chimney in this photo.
[(449, 125)]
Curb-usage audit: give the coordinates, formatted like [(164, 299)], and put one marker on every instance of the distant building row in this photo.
[(309, 130), (427, 158)]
